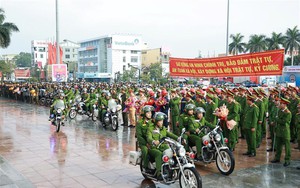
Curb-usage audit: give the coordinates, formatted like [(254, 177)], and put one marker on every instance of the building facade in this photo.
[(70, 57), (104, 58), (39, 53), (156, 55)]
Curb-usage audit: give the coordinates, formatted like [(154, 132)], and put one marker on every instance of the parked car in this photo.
[(249, 84)]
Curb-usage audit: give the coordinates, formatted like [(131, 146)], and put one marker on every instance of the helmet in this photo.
[(190, 107), (62, 95), (192, 90), (84, 90), (158, 116), (199, 110), (146, 109)]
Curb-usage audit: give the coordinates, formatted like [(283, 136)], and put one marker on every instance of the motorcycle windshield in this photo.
[(112, 104), (59, 105)]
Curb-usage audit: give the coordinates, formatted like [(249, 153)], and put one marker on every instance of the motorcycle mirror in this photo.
[(183, 130)]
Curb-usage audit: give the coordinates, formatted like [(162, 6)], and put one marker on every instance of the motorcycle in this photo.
[(175, 165), (57, 118), (215, 149), (78, 108), (49, 99), (111, 116)]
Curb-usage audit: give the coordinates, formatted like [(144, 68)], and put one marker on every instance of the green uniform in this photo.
[(209, 116), (261, 107), (175, 112), (155, 133), (200, 103), (283, 135), (233, 114), (250, 121), (242, 100), (184, 119), (273, 112), (297, 123), (293, 108), (195, 139), (141, 133)]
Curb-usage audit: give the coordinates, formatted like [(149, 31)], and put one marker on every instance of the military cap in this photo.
[(230, 94), (284, 101), (173, 90), (250, 97), (208, 95)]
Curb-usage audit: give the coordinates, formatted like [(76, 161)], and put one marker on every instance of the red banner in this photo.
[(254, 64)]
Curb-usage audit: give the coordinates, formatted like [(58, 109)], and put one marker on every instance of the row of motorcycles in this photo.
[(180, 165)]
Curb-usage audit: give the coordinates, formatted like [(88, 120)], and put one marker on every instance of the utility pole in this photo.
[(57, 36)]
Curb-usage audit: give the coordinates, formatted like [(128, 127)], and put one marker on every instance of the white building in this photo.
[(103, 58), (70, 51), (39, 52)]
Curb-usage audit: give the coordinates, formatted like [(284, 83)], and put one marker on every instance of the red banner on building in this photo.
[(254, 64)]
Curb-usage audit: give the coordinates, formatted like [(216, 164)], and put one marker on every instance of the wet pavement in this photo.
[(85, 154)]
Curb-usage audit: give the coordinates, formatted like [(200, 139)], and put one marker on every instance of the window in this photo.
[(74, 56), (133, 52), (124, 59), (41, 56), (67, 56), (124, 51), (67, 50), (134, 59)]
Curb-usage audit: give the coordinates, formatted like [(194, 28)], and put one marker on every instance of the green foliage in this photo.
[(155, 71), (288, 61), (276, 41), (23, 59), (257, 43), (6, 68), (129, 75), (237, 46), (6, 28)]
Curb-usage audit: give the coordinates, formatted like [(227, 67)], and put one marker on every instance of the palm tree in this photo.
[(6, 28), (236, 46), (292, 41), (274, 42), (257, 43)]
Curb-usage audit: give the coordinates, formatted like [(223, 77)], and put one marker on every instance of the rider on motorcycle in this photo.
[(194, 129), (92, 100), (60, 103), (58, 97), (154, 135), (141, 132), (183, 120), (85, 98)]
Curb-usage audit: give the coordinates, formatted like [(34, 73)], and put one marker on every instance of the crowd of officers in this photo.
[(255, 110)]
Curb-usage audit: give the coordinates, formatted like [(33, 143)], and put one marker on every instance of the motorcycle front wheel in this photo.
[(193, 178), (58, 122), (114, 123), (95, 116), (42, 102), (72, 114), (227, 166)]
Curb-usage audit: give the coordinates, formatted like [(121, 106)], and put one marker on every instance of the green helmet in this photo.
[(199, 110), (190, 107), (146, 109), (159, 116)]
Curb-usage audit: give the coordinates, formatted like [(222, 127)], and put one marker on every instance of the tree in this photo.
[(292, 41), (128, 75), (23, 59), (155, 70), (275, 41), (237, 46), (257, 43), (288, 61), (6, 28), (6, 68)]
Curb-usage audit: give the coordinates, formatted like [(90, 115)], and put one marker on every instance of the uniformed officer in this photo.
[(174, 111), (233, 108), (141, 132), (250, 125), (210, 108), (283, 135), (194, 129), (154, 135), (273, 112)]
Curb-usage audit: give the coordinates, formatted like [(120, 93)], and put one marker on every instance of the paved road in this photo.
[(84, 154)]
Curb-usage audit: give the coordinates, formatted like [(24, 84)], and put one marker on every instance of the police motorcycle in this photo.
[(42, 97), (214, 149), (57, 118), (176, 165), (79, 107), (111, 115)]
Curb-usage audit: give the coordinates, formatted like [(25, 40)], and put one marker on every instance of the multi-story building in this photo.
[(39, 52), (70, 56), (156, 55), (103, 58)]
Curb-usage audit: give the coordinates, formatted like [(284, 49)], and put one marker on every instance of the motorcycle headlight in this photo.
[(113, 110), (181, 151), (59, 111), (218, 137)]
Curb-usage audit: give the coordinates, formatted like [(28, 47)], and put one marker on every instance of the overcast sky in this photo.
[(185, 27)]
